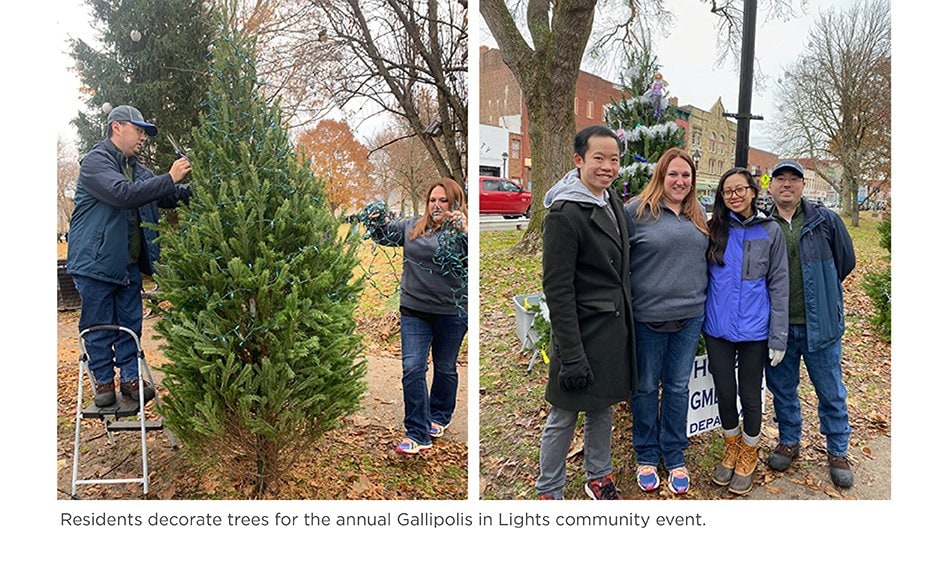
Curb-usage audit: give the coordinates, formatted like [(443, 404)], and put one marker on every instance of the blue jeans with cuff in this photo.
[(441, 337), (825, 372)]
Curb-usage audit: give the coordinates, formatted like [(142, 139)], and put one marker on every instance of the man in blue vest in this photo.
[(821, 255), (109, 249)]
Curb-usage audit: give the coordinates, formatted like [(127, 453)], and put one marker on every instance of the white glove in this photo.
[(776, 356)]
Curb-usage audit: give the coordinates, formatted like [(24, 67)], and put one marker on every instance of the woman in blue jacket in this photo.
[(747, 313)]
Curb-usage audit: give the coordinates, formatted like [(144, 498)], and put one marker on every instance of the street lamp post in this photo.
[(504, 155), (743, 114)]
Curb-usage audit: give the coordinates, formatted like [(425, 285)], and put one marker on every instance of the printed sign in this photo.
[(702, 414)]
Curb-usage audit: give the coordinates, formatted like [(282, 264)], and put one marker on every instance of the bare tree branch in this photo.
[(395, 53), (834, 103)]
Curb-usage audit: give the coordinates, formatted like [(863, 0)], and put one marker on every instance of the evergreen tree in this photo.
[(878, 285), (645, 121), (260, 330), (153, 56)]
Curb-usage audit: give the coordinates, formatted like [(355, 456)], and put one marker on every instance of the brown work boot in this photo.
[(724, 470), (841, 471), (104, 394), (130, 391), (742, 481), (782, 456)]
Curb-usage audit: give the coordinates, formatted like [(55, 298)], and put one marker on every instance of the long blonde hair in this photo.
[(653, 193), (455, 198)]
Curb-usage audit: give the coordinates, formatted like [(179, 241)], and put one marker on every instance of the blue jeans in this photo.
[(825, 372), (440, 336), (659, 428), (105, 303)]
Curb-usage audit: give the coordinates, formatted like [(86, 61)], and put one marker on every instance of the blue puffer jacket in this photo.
[(748, 296), (827, 256), (98, 231)]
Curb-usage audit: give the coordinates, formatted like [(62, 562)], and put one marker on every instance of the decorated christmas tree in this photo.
[(259, 334), (644, 121)]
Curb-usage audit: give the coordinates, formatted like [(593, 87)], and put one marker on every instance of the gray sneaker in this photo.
[(781, 458), (841, 471)]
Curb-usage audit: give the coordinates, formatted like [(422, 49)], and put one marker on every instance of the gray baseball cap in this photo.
[(130, 114), (789, 165)]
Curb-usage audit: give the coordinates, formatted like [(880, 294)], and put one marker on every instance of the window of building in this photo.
[(713, 142), (575, 106), (588, 109), (515, 149)]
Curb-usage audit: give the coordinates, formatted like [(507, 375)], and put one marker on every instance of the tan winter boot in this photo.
[(731, 451), (742, 481)]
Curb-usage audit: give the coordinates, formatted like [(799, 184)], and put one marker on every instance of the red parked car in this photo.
[(501, 196)]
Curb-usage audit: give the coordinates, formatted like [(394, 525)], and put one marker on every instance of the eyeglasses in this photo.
[(738, 191), (787, 179), (138, 129)]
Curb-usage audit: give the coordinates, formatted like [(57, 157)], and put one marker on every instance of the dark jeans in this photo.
[(659, 421), (722, 355), (105, 303), (441, 336)]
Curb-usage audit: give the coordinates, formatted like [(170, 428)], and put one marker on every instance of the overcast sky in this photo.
[(687, 57)]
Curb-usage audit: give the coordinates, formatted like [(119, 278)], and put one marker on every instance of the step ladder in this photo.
[(111, 416)]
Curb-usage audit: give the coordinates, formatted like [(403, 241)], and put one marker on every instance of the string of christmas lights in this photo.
[(448, 260)]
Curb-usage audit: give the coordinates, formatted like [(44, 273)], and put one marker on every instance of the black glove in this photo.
[(575, 374)]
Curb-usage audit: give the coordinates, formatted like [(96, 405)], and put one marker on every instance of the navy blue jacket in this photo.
[(827, 257), (748, 296), (98, 231)]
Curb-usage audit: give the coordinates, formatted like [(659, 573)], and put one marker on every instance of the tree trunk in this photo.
[(850, 184), (547, 74), (551, 130)]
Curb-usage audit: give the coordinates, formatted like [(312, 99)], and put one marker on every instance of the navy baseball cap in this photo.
[(789, 165), (130, 114)]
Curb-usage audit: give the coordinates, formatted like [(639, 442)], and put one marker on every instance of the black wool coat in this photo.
[(586, 284)]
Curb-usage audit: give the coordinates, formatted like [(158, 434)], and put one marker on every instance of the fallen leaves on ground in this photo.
[(510, 453), (357, 461)]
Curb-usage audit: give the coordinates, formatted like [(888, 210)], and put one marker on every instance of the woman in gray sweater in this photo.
[(667, 232), (433, 308)]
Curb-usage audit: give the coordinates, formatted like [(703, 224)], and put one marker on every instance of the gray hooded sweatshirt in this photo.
[(571, 189)]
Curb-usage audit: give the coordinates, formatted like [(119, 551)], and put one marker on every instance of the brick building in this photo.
[(714, 136), (760, 161), (709, 134), (501, 104)]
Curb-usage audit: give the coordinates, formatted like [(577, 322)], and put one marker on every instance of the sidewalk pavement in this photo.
[(871, 463)]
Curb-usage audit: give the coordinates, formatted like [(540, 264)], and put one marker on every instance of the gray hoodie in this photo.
[(571, 189)]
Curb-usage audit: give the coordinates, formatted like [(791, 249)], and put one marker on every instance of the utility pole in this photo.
[(743, 115)]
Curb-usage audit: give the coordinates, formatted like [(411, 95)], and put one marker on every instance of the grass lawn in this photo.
[(513, 411)]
